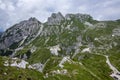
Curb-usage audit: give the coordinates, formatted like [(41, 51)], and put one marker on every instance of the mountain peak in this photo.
[(61, 48), (19, 31), (32, 19), (55, 18), (56, 15), (81, 17)]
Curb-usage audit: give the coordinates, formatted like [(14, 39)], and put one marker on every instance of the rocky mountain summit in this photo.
[(18, 32), (80, 17), (70, 47), (55, 18)]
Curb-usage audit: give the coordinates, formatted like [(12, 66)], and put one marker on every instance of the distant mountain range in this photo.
[(70, 47)]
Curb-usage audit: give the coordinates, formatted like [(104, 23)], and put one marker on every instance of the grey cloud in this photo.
[(13, 11)]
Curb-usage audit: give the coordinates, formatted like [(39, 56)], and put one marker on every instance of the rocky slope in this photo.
[(65, 47), (18, 32)]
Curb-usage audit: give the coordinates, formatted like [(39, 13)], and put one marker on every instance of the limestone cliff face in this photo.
[(80, 17), (18, 32), (55, 18), (62, 47)]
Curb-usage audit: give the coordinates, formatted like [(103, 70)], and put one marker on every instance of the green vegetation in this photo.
[(84, 66), (114, 55), (40, 55), (97, 64), (52, 64), (14, 73)]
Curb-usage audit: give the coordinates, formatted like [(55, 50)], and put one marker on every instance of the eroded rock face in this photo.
[(55, 18), (16, 63), (16, 33), (54, 50), (116, 32), (81, 17), (29, 28)]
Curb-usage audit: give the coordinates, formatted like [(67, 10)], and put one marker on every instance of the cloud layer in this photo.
[(13, 11)]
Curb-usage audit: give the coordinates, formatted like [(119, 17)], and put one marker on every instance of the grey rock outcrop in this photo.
[(116, 32), (55, 18), (81, 17), (18, 32)]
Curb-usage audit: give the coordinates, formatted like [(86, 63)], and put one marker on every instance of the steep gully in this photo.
[(21, 47)]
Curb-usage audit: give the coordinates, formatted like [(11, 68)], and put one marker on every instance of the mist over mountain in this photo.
[(70, 47)]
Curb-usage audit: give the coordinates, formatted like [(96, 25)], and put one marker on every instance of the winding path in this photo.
[(116, 73)]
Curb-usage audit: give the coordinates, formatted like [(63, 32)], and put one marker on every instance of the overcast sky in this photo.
[(13, 11)]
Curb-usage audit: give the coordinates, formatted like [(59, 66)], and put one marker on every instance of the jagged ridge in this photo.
[(69, 46)]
